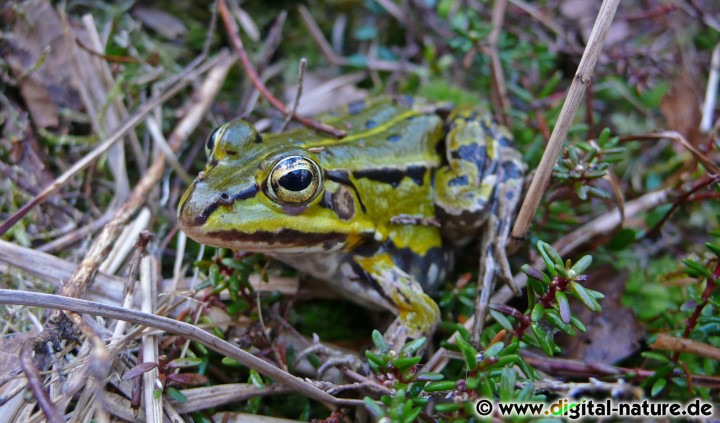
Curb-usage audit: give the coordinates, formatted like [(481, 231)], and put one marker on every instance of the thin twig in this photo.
[(572, 102), (36, 385), (127, 126), (298, 94), (499, 97), (8, 296), (237, 44), (711, 167)]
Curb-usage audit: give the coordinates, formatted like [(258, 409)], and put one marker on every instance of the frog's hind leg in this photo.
[(478, 192)]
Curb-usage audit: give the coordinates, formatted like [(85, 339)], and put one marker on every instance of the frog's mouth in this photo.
[(200, 210)]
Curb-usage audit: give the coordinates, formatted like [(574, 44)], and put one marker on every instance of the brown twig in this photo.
[(664, 341), (187, 330), (237, 44), (36, 385), (711, 167), (499, 96), (701, 184), (572, 102), (107, 57), (298, 94)]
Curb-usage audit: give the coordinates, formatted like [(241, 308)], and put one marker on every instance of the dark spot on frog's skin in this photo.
[(356, 107), (212, 163), (475, 153), (504, 142), (393, 176), (360, 275), (458, 181), (258, 138), (343, 203), (342, 177), (418, 266), (371, 123), (394, 137), (224, 199), (511, 170), (290, 237), (231, 152)]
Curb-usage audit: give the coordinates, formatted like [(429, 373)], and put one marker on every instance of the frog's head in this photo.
[(269, 196)]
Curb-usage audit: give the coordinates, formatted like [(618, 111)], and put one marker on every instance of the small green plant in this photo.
[(584, 162), (498, 371)]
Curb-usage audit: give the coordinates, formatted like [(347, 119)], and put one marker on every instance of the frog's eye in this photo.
[(295, 181)]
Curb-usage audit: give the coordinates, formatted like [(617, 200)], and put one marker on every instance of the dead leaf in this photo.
[(38, 57), (614, 333), (681, 107), (160, 21)]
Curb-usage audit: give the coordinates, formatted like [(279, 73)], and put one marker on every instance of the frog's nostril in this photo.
[(225, 198)]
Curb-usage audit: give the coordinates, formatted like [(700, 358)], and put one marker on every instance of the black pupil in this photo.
[(296, 180)]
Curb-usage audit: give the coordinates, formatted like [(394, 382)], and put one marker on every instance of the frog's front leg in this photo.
[(479, 190), (417, 313)]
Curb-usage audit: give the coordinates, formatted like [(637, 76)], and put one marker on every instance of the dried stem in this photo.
[(572, 102), (36, 385), (298, 94), (8, 296), (126, 127), (237, 44)]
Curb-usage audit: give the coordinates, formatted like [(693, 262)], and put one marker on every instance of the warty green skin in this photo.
[(395, 193)]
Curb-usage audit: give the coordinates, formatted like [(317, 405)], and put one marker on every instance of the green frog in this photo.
[(376, 214)]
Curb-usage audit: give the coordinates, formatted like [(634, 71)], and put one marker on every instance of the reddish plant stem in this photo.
[(557, 284), (710, 286), (237, 44)]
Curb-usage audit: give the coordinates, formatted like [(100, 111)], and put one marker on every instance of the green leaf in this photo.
[(578, 324), (429, 376), (379, 341), (502, 320), (582, 264), (542, 338), (537, 312), (447, 407), (549, 262), (657, 387), (554, 318), (373, 407), (696, 269), (445, 385), (494, 349), (714, 248), (563, 306), (404, 363), (655, 356), (468, 352), (413, 346), (507, 384), (585, 297), (375, 358)]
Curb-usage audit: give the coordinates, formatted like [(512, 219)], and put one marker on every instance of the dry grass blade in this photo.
[(187, 330), (572, 102), (83, 276), (126, 127)]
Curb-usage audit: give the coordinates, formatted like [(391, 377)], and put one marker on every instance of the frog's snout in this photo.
[(201, 201)]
